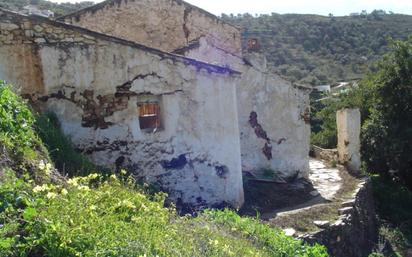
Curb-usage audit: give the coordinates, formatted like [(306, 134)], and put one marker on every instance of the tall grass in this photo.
[(66, 159)]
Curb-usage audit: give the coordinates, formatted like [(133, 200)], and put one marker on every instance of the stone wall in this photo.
[(329, 155), (164, 24), (355, 233), (273, 121), (94, 83)]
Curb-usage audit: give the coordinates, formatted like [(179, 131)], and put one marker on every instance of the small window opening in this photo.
[(149, 116)]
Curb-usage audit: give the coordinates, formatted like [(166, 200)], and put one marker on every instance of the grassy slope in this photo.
[(316, 49), (107, 215)]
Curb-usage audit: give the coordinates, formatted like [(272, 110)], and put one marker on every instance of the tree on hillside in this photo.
[(387, 134), (323, 49)]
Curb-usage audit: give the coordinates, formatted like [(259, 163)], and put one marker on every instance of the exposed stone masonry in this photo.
[(164, 24)]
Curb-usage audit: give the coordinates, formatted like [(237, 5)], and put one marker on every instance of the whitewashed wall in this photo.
[(273, 121), (93, 82)]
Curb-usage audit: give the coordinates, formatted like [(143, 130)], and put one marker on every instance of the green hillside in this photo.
[(316, 49)]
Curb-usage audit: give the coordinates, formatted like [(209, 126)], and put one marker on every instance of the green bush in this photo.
[(16, 121), (394, 208), (94, 217), (20, 147), (387, 136)]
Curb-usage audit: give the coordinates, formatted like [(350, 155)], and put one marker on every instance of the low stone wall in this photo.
[(329, 155), (355, 232)]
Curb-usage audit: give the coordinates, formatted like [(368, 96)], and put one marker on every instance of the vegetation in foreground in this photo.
[(66, 159), (100, 215), (394, 208)]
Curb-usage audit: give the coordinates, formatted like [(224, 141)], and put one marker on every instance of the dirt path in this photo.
[(326, 183)]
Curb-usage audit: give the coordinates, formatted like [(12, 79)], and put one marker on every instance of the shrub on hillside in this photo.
[(92, 216), (16, 121), (387, 134), (19, 145)]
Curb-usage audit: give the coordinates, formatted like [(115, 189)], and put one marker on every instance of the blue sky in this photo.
[(323, 7)]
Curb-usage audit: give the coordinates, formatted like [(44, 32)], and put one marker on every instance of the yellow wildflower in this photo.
[(48, 168), (51, 195), (93, 176), (42, 188), (83, 188), (73, 182), (128, 204), (42, 165)]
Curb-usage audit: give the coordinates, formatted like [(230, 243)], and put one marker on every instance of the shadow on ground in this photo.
[(265, 197)]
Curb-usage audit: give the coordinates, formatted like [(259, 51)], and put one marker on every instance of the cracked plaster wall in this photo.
[(164, 24), (282, 110), (93, 85), (273, 121)]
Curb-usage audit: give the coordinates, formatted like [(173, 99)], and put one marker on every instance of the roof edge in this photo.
[(188, 61)]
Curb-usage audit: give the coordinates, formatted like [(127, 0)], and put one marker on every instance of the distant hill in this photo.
[(58, 9), (315, 49)]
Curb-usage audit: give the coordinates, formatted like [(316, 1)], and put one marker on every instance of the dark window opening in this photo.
[(149, 116)]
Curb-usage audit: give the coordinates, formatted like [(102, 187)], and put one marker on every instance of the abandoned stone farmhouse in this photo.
[(164, 89)]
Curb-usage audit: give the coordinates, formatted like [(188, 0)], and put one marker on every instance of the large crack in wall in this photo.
[(186, 30)]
